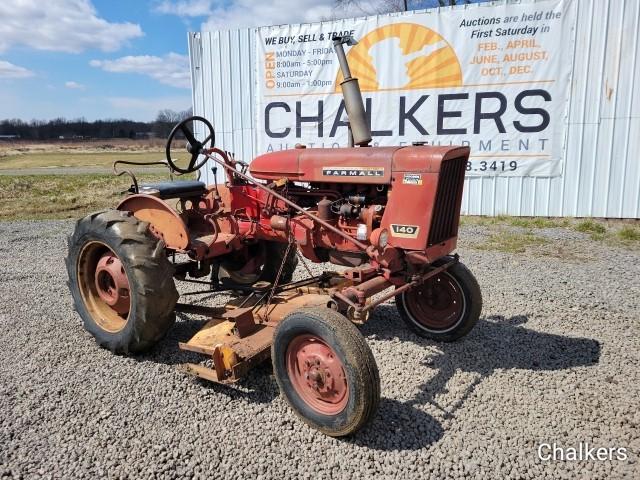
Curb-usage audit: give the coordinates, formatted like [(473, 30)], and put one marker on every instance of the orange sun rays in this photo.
[(437, 68)]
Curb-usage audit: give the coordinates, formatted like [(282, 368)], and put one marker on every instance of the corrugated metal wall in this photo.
[(602, 166)]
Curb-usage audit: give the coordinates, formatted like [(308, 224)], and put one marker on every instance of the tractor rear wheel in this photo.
[(445, 307), (326, 371), (258, 262), (121, 281)]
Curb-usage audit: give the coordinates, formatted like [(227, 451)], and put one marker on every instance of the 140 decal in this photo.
[(404, 231)]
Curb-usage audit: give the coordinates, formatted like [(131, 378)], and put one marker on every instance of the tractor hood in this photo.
[(351, 165)]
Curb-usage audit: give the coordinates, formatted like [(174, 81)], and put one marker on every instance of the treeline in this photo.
[(81, 129)]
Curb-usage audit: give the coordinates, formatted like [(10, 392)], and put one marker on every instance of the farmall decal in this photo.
[(353, 171), (404, 231), (491, 78)]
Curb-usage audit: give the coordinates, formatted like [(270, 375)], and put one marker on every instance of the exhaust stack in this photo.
[(358, 124)]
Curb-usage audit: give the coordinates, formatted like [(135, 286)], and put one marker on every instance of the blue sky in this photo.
[(122, 58)]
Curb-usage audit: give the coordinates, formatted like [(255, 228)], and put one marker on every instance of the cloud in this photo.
[(146, 108), (9, 70), (184, 8), (249, 13), (171, 69), (61, 25), (74, 85)]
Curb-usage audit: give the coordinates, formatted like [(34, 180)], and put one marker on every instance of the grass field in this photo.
[(74, 160), (527, 236), (21, 155), (37, 197)]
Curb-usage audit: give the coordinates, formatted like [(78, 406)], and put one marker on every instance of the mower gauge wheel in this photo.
[(325, 370), (194, 147)]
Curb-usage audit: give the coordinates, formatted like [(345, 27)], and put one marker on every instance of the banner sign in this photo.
[(495, 78)]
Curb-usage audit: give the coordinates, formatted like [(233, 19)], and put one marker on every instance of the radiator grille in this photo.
[(444, 223)]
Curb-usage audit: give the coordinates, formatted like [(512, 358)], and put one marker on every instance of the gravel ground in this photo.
[(554, 358)]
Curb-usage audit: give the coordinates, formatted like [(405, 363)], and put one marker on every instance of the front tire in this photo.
[(445, 307), (121, 281), (326, 371)]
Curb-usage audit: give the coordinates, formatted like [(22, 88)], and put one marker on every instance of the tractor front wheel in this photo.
[(121, 281), (326, 371), (445, 307)]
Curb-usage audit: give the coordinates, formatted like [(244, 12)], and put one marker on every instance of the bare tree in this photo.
[(167, 119), (359, 7), (76, 129), (168, 116)]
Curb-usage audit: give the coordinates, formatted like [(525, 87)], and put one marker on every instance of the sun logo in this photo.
[(403, 56)]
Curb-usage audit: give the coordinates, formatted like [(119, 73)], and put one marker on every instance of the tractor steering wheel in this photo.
[(194, 147)]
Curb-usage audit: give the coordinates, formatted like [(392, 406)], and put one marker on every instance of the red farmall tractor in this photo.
[(388, 214)]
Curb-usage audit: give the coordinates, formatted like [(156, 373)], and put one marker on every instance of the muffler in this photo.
[(358, 124)]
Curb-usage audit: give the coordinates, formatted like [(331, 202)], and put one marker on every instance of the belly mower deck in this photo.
[(238, 336)]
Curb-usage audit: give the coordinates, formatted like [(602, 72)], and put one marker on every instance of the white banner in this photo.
[(495, 78)]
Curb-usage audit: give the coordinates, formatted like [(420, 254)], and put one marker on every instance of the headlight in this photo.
[(379, 237), (384, 238)]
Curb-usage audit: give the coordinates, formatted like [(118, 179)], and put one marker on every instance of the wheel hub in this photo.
[(317, 374), (112, 284), (438, 303)]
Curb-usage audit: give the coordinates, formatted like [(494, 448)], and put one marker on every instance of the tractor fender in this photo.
[(165, 222)]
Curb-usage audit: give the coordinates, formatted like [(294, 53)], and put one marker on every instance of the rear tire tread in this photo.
[(150, 275)]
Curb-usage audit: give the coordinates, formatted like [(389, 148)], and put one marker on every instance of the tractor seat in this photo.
[(175, 189)]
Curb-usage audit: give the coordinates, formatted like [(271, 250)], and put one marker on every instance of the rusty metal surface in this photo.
[(201, 372), (410, 285), (108, 307), (214, 332), (244, 323), (311, 164), (426, 159), (165, 222), (238, 338), (359, 293), (112, 284), (283, 199), (284, 304), (317, 374)]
